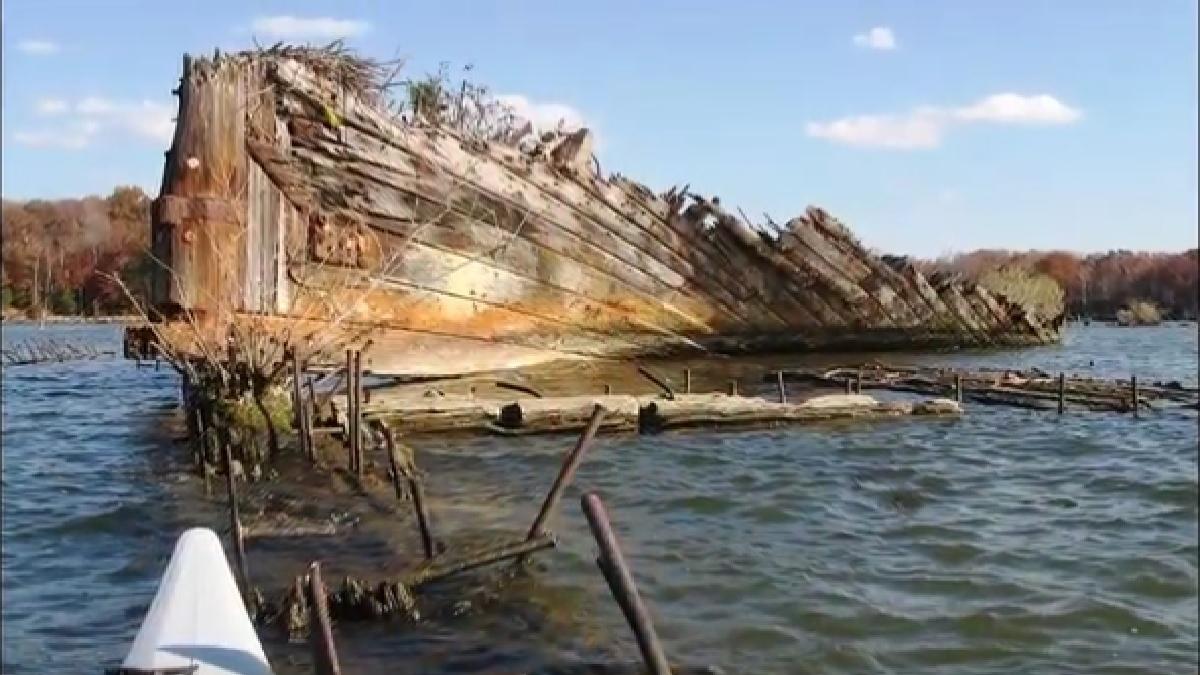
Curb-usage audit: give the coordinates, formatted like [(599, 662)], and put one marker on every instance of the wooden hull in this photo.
[(286, 195)]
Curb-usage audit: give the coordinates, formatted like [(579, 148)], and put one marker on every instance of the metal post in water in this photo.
[(1133, 389), (621, 584), (351, 414), (1062, 393), (414, 488), (565, 473), (958, 388), (782, 388)]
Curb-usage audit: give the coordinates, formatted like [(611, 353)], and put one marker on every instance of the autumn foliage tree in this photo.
[(56, 253), (1100, 284)]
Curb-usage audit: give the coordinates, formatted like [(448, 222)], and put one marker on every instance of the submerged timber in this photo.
[(292, 190)]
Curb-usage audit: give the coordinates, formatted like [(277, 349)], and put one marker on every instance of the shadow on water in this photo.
[(1005, 541)]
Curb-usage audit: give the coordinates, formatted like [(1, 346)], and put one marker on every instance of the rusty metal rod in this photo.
[(1133, 388), (622, 585), (358, 401), (320, 633), (440, 570), (520, 387), (414, 487), (350, 412), (1062, 393), (570, 463), (662, 384)]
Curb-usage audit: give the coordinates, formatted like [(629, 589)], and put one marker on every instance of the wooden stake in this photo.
[(858, 381), (235, 522), (1062, 393), (958, 389), (733, 388), (570, 463), (687, 380), (849, 386), (607, 388), (782, 388), (1133, 389), (306, 426), (298, 406), (320, 629), (358, 413), (622, 586), (351, 414)]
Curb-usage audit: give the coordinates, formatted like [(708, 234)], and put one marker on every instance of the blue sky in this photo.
[(927, 127)]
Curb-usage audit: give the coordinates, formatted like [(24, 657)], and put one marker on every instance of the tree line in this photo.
[(1098, 285), (58, 255)]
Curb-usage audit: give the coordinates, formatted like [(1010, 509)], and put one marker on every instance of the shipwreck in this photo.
[(463, 240)]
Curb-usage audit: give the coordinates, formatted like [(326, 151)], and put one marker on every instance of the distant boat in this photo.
[(198, 623)]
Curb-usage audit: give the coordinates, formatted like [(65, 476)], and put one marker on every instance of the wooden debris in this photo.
[(1033, 388), (562, 261)]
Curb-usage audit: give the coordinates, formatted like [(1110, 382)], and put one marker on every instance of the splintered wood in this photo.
[(1032, 388)]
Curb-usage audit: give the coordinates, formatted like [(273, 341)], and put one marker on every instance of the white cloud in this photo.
[(918, 130), (1018, 109), (93, 117), (294, 27), (38, 47), (51, 106), (543, 116), (879, 37), (924, 127)]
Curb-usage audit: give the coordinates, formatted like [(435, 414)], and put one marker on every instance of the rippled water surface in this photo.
[(1005, 541)]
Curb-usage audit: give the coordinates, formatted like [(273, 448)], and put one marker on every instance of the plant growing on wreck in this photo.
[(1036, 292)]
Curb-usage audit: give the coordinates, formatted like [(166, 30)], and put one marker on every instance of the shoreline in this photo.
[(72, 320)]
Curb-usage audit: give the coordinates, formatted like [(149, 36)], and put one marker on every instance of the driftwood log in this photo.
[(718, 409), (569, 413)]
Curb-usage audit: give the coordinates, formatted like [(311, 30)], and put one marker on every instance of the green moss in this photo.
[(243, 414)]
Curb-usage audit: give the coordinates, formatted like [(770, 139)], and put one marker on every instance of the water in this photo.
[(1007, 541)]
